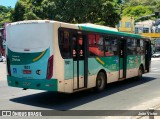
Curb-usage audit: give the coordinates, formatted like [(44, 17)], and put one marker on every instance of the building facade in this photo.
[(126, 25), (145, 27), (150, 28)]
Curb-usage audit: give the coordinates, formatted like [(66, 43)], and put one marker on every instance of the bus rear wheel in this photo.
[(140, 72), (100, 82)]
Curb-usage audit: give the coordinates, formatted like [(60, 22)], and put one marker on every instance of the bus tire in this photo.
[(140, 72), (100, 82)]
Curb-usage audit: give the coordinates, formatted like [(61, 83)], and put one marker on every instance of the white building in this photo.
[(145, 27), (150, 29)]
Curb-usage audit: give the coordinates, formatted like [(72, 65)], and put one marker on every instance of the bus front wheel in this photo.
[(100, 82)]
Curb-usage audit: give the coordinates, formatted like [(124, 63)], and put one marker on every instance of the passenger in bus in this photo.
[(109, 51), (100, 43)]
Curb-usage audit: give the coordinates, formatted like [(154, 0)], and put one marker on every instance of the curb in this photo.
[(155, 59)]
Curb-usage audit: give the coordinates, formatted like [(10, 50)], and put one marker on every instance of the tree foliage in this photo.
[(104, 12), (19, 10), (140, 8), (137, 11), (5, 15), (141, 2), (72, 11), (157, 7)]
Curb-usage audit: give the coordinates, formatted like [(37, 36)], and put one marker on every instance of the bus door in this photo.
[(122, 58), (147, 56), (80, 61)]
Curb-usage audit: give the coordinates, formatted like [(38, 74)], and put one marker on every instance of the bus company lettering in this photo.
[(32, 22), (15, 58)]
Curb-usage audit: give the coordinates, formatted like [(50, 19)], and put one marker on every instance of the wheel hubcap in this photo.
[(99, 82), (140, 73)]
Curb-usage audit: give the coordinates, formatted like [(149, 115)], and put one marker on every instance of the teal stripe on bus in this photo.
[(109, 32)]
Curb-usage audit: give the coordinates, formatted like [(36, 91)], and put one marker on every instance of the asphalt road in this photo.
[(124, 95)]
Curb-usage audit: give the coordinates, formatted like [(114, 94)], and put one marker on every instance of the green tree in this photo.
[(72, 11), (4, 9), (5, 15), (81, 11), (157, 7), (30, 10), (141, 2), (19, 11), (48, 9), (137, 11)]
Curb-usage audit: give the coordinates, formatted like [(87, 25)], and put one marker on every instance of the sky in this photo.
[(8, 3)]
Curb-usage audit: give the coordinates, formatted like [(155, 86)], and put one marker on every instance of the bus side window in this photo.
[(131, 47), (64, 44), (142, 46), (95, 42), (138, 47), (114, 46), (108, 47), (92, 46), (100, 50), (81, 46), (74, 52)]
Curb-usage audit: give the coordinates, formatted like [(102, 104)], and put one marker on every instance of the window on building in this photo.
[(145, 30), (136, 30), (128, 24)]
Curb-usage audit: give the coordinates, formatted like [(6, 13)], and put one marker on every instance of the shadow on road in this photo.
[(51, 100)]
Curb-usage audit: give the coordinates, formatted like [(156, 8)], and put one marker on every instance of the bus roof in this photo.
[(98, 26), (31, 22), (85, 26), (107, 30)]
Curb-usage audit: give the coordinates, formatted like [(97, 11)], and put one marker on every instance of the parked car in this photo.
[(156, 54), (2, 59)]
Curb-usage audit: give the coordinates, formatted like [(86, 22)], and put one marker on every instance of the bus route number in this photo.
[(26, 67)]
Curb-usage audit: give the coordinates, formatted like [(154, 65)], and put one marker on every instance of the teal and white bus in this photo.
[(63, 57)]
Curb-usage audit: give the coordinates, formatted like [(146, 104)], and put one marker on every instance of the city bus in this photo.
[(62, 57)]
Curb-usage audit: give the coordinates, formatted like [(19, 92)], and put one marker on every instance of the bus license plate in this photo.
[(27, 71)]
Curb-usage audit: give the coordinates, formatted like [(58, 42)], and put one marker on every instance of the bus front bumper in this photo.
[(39, 84)]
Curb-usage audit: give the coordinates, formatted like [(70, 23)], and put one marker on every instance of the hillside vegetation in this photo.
[(104, 12)]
